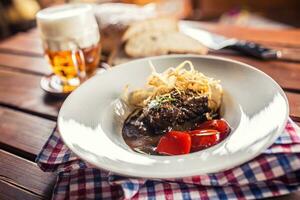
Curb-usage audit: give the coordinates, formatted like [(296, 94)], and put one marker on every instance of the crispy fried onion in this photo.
[(181, 80)]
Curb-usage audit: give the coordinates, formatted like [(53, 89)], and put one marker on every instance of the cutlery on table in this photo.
[(217, 42)]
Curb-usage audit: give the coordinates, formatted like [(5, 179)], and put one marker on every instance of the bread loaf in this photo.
[(159, 37), (157, 24), (160, 43)]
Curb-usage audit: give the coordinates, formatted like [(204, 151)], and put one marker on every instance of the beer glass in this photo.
[(71, 42)]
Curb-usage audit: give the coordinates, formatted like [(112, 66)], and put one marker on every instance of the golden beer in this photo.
[(71, 41), (62, 62)]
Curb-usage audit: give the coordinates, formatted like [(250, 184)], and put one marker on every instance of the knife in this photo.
[(216, 42)]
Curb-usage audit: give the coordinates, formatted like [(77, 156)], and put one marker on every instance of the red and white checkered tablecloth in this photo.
[(275, 172)]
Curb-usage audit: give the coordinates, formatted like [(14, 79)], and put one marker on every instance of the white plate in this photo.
[(253, 104)]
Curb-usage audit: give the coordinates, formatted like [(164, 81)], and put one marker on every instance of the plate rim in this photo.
[(122, 172)]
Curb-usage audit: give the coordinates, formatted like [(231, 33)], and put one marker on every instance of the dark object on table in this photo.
[(218, 42)]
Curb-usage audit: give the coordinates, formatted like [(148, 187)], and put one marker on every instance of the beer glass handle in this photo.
[(103, 68), (79, 64)]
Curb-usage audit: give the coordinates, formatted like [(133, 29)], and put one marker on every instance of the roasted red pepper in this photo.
[(206, 135), (174, 143), (216, 124), (202, 139)]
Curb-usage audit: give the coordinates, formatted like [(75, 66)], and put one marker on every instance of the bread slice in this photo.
[(161, 24), (153, 43)]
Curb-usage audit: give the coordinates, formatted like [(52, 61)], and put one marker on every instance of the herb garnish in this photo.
[(159, 100)]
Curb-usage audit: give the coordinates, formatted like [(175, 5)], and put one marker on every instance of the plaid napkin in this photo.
[(275, 172)]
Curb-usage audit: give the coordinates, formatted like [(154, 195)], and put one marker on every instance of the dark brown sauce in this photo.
[(145, 141), (138, 138), (144, 127)]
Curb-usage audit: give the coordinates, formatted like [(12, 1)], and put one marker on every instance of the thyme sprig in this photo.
[(159, 100)]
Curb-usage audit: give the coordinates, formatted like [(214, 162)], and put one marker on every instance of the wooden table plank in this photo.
[(287, 74), (280, 37), (22, 43), (11, 192), (25, 174), (15, 85), (24, 132), (294, 101), (33, 33), (23, 91), (29, 64)]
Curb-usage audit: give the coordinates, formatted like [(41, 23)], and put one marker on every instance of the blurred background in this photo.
[(19, 15)]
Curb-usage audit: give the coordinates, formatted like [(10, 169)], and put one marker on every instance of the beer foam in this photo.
[(64, 27)]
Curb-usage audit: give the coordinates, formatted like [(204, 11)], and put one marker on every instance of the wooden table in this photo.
[(28, 115)]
